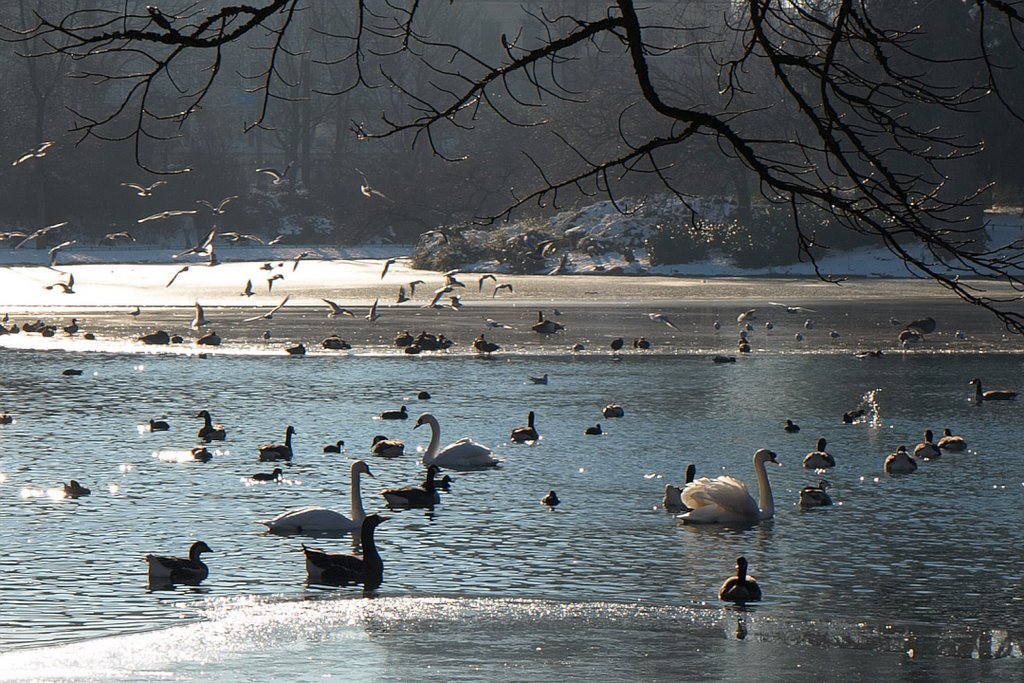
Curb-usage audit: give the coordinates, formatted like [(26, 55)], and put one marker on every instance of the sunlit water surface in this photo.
[(915, 577)]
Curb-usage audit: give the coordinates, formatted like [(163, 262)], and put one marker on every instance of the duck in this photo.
[(211, 338), (613, 410), (297, 350), (188, 570), (992, 394), (927, 450), (74, 490), (617, 344), (210, 431), (6, 418), (725, 499), (278, 451), (423, 396), (335, 343), (527, 434), (276, 475), (815, 496), (740, 588), (791, 427), (550, 499), (594, 430), (387, 448), (672, 501), (819, 458), (539, 380), (335, 447), (851, 416), (464, 454), (319, 520), (158, 426), (400, 414), (201, 454), (951, 442), (900, 462), (160, 337), (338, 569), (420, 496)]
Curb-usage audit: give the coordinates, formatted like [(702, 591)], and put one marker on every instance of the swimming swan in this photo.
[(464, 454), (317, 520), (725, 499)]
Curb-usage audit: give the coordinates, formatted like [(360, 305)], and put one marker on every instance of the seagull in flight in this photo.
[(200, 320), (412, 287), (276, 240), (219, 209), (269, 314), (238, 236), (504, 285), (175, 276), (247, 292), (143, 190), (278, 176), (167, 214), (367, 191), (111, 237), (39, 233), (270, 281), (34, 153), (373, 315), (662, 318), (456, 304), (205, 247), (299, 258), (480, 282), (792, 309), (387, 264), (402, 298), (337, 310), (68, 286), (746, 315), (438, 293), (54, 250)]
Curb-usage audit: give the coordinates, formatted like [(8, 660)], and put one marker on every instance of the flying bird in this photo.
[(480, 282), (204, 248), (200, 320), (299, 258), (792, 309), (451, 281), (238, 236), (68, 286), (662, 318), (111, 237), (387, 264), (219, 209), (278, 176), (337, 310), (269, 314), (247, 292), (34, 153), (456, 303), (276, 240), (412, 287), (143, 190), (402, 298), (504, 285), (746, 315), (270, 281), (175, 276), (39, 233), (167, 214), (54, 250), (367, 191), (438, 293), (373, 315)]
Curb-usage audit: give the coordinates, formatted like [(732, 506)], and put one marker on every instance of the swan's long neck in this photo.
[(767, 503), (357, 499), (435, 441)]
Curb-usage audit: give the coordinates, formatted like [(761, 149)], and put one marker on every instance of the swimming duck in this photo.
[(276, 475), (539, 380), (672, 501), (201, 454), (339, 569), (423, 396), (527, 434), (900, 462), (421, 496), (319, 520), (851, 416), (991, 394), (190, 570), (158, 426), (819, 458), (278, 451), (815, 496), (791, 427), (334, 447), (927, 449), (6, 418), (593, 431), (740, 588), (210, 431), (400, 414), (73, 490), (551, 500), (613, 410), (951, 442), (387, 448)]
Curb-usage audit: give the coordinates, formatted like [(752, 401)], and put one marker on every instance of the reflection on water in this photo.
[(606, 584)]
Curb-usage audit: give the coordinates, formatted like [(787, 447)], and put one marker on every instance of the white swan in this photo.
[(317, 520), (464, 454), (725, 499)]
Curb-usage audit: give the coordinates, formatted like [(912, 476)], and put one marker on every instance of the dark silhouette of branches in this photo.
[(863, 109)]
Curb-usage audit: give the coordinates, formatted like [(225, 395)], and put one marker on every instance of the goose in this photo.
[(617, 345), (190, 570), (483, 346), (613, 410), (740, 588), (338, 569), (851, 416), (334, 447), (464, 454), (543, 326), (276, 451), (951, 442), (158, 426), (593, 431), (335, 343), (387, 448), (318, 520), (900, 462), (815, 496), (419, 496), (400, 414), (6, 418), (550, 499), (791, 427), (992, 394), (672, 501), (210, 431), (926, 449), (527, 434), (297, 350), (211, 338), (73, 490), (725, 499), (268, 476), (819, 458)]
